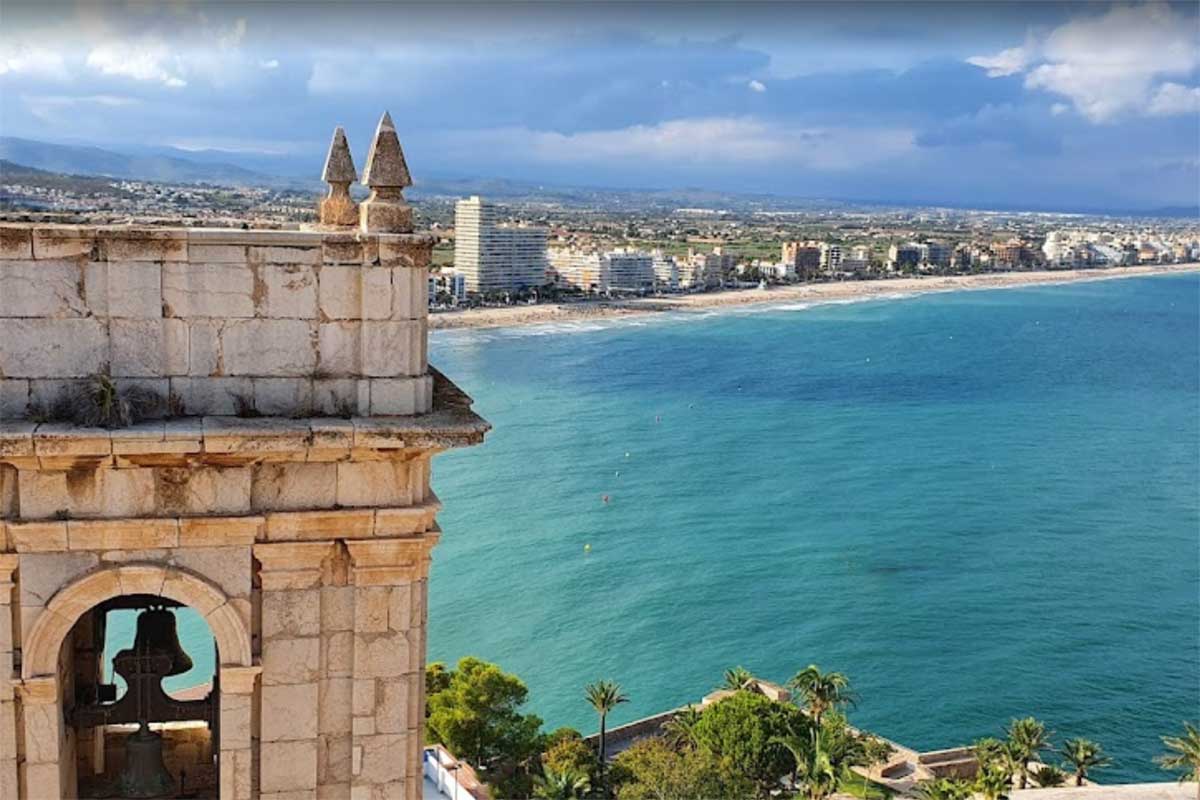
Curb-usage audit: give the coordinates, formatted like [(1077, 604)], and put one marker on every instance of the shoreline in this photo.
[(520, 316)]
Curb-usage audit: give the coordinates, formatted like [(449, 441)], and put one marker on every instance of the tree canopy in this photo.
[(477, 717), (742, 729), (652, 770)]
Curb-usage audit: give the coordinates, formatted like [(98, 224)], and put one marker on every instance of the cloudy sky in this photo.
[(1038, 105)]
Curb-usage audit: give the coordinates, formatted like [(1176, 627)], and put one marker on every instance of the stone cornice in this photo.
[(44, 536), (291, 565), (386, 562), (233, 440)]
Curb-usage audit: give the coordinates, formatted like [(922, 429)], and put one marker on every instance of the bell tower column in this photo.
[(389, 578), (291, 579), (237, 740), (44, 733)]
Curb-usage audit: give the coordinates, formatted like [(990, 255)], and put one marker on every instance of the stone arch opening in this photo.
[(81, 731), (231, 631), (129, 682)]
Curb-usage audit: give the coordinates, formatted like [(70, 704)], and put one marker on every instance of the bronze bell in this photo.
[(156, 635), (145, 775)]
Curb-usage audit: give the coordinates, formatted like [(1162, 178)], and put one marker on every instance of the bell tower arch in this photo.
[(56, 710)]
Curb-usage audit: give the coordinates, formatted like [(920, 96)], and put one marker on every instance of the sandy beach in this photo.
[(509, 316)]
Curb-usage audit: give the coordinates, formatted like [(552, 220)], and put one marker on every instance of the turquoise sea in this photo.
[(976, 504)]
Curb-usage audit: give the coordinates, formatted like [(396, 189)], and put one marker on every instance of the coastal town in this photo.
[(534, 259)]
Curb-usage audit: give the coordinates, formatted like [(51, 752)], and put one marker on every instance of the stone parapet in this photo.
[(215, 321)]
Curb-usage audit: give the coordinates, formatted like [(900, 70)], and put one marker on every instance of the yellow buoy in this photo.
[(587, 548)]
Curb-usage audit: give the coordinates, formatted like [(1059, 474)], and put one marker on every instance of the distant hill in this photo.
[(19, 173), (85, 160)]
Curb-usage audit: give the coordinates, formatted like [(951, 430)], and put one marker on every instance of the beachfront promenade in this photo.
[(815, 293)]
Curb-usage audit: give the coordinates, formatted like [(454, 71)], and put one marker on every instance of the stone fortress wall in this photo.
[(278, 484)]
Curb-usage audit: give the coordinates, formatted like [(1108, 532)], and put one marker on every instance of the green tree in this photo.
[(652, 770), (1048, 776), (559, 735), (875, 750), (1184, 755), (680, 730), (565, 785), (604, 696), (1028, 738), (477, 716), (813, 772), (437, 679), (945, 789), (993, 783), (741, 729), (569, 754), (822, 691), (1083, 755), (736, 678), (988, 752), (823, 754)]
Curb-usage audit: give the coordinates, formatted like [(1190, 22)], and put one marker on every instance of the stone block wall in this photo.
[(216, 321)]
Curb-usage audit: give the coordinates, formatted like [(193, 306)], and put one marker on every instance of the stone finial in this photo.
[(385, 163), (338, 208), (386, 174), (339, 164)]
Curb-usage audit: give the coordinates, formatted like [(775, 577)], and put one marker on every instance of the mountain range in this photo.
[(222, 167), (166, 167)]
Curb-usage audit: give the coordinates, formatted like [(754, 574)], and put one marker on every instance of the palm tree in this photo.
[(822, 690), (737, 678), (993, 784), (944, 789), (604, 696), (680, 730), (988, 751), (565, 785), (815, 774), (823, 754), (1083, 755), (1186, 755), (1027, 737), (1049, 775)]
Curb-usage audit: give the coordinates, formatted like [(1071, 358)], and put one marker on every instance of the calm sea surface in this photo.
[(978, 505)]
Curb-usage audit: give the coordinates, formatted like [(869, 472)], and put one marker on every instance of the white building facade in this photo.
[(614, 270), (492, 257)]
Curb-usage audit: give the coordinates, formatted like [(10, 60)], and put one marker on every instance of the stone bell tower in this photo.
[(240, 423)]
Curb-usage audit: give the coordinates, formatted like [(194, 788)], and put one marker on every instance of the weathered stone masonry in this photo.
[(300, 530)]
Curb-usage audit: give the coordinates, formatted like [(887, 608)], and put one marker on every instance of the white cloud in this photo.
[(21, 58), (167, 45), (270, 63), (1175, 98), (1058, 109), (757, 86), (147, 59), (1005, 63), (1111, 64), (724, 141)]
